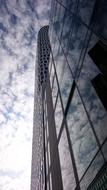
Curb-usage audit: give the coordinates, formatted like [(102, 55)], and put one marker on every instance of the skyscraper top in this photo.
[(43, 54)]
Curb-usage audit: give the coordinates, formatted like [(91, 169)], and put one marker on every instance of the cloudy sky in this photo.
[(20, 21)]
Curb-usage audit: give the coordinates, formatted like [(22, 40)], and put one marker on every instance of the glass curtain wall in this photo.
[(78, 37)]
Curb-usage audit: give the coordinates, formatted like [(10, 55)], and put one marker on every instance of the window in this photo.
[(100, 85), (99, 55)]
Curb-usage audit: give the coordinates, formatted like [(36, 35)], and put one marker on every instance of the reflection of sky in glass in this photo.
[(66, 164), (98, 114), (55, 51), (66, 84), (54, 91), (52, 74), (60, 66), (60, 20), (100, 19), (82, 137), (85, 10), (91, 173), (76, 43), (67, 27), (75, 37), (52, 40), (70, 4), (58, 115), (50, 63)]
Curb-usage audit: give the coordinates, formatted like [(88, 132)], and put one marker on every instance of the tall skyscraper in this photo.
[(70, 112)]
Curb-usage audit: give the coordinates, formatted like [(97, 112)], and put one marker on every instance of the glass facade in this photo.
[(78, 39), (75, 97)]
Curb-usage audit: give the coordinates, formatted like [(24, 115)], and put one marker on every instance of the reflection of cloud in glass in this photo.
[(76, 43), (52, 74), (82, 138), (98, 114), (92, 171), (100, 19), (66, 164), (85, 10), (60, 66), (54, 91), (58, 115), (66, 30), (66, 84)]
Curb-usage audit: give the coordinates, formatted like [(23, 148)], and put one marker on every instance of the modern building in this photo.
[(70, 112)]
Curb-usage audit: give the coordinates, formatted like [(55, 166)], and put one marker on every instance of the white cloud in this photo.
[(17, 64)]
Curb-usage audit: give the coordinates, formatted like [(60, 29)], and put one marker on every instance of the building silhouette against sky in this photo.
[(70, 112)]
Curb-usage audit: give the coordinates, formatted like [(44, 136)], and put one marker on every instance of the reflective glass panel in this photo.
[(56, 18), (85, 10), (50, 181), (50, 63), (66, 84), (53, 40), (58, 116), (69, 4), (93, 104), (76, 44), (61, 19), (99, 19), (56, 50), (60, 65), (92, 171), (52, 74), (54, 91), (53, 8), (83, 141), (66, 163), (67, 27)]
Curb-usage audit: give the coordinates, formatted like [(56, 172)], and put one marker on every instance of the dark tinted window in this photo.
[(99, 55), (100, 85)]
